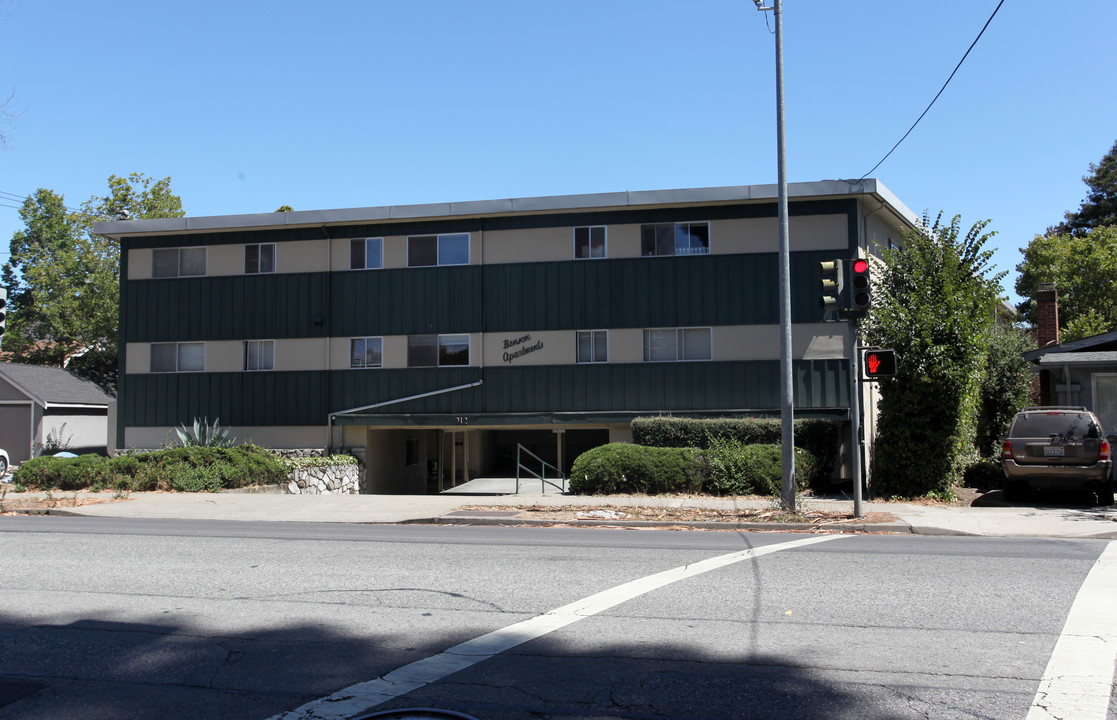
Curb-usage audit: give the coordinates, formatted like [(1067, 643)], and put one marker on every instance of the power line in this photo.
[(15, 197), (1002, 2)]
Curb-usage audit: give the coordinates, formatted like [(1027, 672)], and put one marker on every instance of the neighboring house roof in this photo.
[(1079, 358), (1092, 344), (49, 386)]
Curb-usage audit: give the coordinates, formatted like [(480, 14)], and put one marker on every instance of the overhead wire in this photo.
[(6, 197), (1002, 2)]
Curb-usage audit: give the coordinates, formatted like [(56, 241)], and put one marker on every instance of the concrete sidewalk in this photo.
[(1003, 521)]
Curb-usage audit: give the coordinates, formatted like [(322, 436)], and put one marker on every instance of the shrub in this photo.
[(626, 468), (726, 468), (985, 475), (818, 436), (735, 469), (187, 469)]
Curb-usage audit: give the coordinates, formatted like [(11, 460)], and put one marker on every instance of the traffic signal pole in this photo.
[(855, 417), (787, 394)]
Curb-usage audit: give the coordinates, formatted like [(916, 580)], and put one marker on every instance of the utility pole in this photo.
[(787, 386)]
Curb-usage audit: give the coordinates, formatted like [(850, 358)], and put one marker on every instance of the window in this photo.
[(366, 254), (437, 350), (429, 250), (259, 354), (178, 262), (178, 357), (593, 346), (259, 258), (675, 239), (589, 242), (675, 344), (366, 352)]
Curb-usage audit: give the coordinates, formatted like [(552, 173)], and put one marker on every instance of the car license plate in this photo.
[(1049, 451)]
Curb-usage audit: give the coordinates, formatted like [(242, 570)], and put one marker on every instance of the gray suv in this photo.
[(1057, 447)]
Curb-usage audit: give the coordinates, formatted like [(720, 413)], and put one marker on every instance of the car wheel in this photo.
[(1105, 493), (3, 467)]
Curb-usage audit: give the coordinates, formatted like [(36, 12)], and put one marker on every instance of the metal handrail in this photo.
[(544, 482)]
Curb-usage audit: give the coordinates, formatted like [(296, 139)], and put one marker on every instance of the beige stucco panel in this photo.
[(534, 348), (395, 351), (224, 356), (395, 251), (626, 345), (528, 245), (813, 341), (302, 354), (139, 264), (224, 260), (809, 232), (623, 241), (301, 256), (746, 342), (137, 358), (820, 341), (295, 437)]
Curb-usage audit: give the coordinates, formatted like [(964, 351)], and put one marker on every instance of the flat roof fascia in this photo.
[(559, 203)]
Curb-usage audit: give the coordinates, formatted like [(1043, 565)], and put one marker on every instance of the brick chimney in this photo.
[(1047, 310)]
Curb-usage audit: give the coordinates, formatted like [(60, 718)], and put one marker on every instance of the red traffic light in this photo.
[(862, 297)]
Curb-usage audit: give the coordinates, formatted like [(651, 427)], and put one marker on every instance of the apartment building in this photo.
[(431, 340)]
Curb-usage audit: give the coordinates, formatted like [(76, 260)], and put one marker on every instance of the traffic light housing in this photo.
[(831, 282), (861, 293), (879, 364), (3, 312)]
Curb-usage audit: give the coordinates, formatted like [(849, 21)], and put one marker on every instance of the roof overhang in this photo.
[(117, 229)]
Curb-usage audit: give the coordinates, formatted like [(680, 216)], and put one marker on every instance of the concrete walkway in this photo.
[(1002, 521)]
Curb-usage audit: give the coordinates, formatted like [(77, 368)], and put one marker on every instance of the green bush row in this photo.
[(185, 469), (818, 436), (725, 468)]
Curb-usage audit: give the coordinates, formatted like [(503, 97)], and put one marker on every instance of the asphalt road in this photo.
[(139, 619)]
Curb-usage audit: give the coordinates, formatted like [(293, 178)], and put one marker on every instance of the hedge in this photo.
[(186, 469), (818, 436), (726, 468), (626, 468)]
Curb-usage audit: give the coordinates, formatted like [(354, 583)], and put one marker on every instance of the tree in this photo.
[(935, 306), (63, 280), (1005, 389), (285, 208), (1084, 270), (1100, 206)]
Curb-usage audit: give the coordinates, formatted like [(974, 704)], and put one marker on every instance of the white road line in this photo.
[(1079, 676), (362, 696)]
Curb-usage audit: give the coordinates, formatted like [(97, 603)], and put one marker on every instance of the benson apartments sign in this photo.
[(516, 348)]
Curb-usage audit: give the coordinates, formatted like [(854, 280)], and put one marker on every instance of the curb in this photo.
[(899, 528)]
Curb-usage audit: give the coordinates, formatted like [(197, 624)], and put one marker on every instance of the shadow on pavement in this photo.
[(94, 669)]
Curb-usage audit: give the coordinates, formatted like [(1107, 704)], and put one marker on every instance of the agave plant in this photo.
[(205, 435)]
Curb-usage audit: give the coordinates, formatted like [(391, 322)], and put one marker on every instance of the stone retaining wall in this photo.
[(325, 480)]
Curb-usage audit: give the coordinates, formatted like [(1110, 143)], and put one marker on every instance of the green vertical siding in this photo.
[(626, 293), (306, 398)]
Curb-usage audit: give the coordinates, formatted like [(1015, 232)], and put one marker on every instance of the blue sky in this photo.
[(251, 105)]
